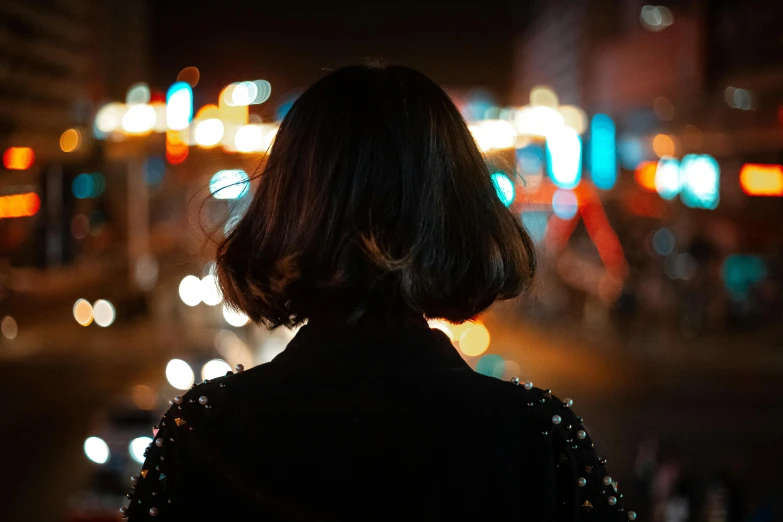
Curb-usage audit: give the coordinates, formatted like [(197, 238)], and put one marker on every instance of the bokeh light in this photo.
[(263, 90), (9, 328), (700, 180), (474, 340), (667, 178), (96, 449), (82, 312), (603, 152), (494, 135), (18, 158), (179, 106), (663, 241), (656, 17), (190, 290), (19, 205), (663, 145), (574, 117), (504, 188), (70, 140), (543, 96), (209, 132), (214, 369), (88, 185), (538, 121), (565, 204), (248, 138), (645, 175), (179, 374), (234, 317), (139, 119), (210, 292), (229, 184), (761, 180), (137, 447), (144, 397), (564, 154), (741, 99), (491, 365), (189, 75), (109, 118), (138, 93), (103, 313)]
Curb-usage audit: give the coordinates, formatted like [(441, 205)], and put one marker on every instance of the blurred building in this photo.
[(58, 60)]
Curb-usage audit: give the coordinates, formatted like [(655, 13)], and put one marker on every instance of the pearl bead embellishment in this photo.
[(203, 400), (568, 403), (581, 482), (612, 501), (607, 481), (556, 419), (528, 385), (154, 512), (124, 511), (178, 399), (159, 443), (240, 368), (581, 434), (134, 480), (632, 515), (515, 381)]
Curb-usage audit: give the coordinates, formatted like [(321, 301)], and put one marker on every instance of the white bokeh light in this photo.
[(190, 290), (96, 450), (214, 369), (103, 312), (233, 317), (209, 132), (137, 446), (179, 374), (210, 292)]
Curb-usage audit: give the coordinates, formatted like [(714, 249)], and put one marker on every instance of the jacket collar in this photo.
[(408, 346)]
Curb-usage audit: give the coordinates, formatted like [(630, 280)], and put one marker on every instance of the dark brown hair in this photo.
[(374, 199)]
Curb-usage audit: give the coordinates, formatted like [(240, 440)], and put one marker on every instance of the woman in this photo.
[(374, 211)]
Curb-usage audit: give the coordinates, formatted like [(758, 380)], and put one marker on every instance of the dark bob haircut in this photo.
[(374, 200)]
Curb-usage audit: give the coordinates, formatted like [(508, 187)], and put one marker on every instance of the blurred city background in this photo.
[(641, 145)]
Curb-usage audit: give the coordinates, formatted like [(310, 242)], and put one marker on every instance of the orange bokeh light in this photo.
[(663, 145), (762, 180), (176, 148), (645, 175), (19, 205), (18, 158)]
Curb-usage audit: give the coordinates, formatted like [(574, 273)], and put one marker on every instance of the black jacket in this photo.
[(381, 424)]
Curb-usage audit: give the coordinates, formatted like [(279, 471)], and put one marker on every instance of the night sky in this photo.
[(457, 44)]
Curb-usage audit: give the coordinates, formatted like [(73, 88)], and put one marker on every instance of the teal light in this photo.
[(88, 185), (491, 365), (700, 179), (504, 188), (603, 152), (229, 184), (740, 272)]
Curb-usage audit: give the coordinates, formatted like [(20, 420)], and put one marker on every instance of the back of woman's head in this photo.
[(374, 199)]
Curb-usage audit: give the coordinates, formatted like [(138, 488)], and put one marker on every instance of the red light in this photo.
[(18, 158), (645, 175), (19, 205), (762, 180)]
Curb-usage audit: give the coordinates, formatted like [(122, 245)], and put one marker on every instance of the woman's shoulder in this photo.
[(586, 490)]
